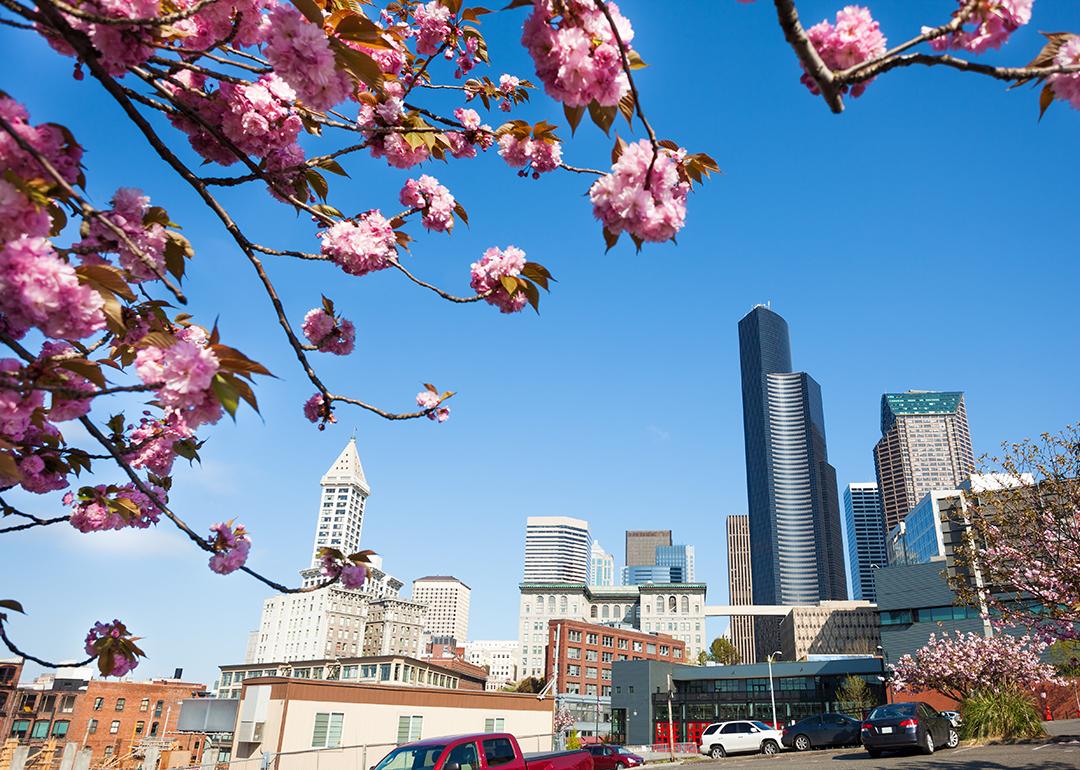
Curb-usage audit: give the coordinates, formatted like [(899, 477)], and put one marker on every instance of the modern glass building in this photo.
[(920, 537), (704, 694), (795, 529), (866, 537)]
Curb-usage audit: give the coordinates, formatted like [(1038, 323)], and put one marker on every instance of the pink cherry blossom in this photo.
[(329, 333), (315, 410), (432, 26), (49, 140), (19, 216), (350, 574), (122, 662), (300, 54), (495, 264), (1067, 85), (129, 206), (183, 371), (285, 168), (535, 156), (990, 25), (41, 469), (575, 53), (362, 246), (16, 408), (120, 46), (98, 510), (433, 200), (231, 545), (855, 38), (623, 203), (154, 441), (64, 407), (507, 86), (39, 289), (215, 22), (463, 144), (425, 399)]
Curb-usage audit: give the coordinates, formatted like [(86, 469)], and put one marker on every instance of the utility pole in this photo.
[(772, 694), (670, 719)]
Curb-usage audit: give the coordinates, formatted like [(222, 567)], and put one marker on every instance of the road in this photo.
[(1040, 756)]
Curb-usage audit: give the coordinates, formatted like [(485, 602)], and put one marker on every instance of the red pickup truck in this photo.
[(479, 752)]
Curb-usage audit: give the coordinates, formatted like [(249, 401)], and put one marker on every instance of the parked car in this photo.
[(723, 738), (907, 725), (821, 730), (607, 757), (954, 718), (463, 752)]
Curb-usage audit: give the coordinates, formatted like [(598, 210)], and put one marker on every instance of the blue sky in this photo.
[(920, 240)]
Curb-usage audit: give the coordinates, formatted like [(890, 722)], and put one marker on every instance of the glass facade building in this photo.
[(920, 537), (866, 537)]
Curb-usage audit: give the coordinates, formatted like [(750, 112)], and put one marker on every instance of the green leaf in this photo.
[(532, 294), (636, 62), (626, 108), (460, 211), (602, 116), (573, 116), (84, 368), (1046, 98), (226, 394), (106, 277), (359, 64), (318, 183), (510, 284), (332, 166)]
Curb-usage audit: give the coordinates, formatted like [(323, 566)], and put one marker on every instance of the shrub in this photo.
[(1007, 713), (573, 743)]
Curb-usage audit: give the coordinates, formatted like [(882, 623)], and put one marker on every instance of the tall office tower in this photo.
[(602, 569), (925, 445), (341, 515), (558, 549), (447, 602), (791, 488), (679, 559), (739, 585), (641, 546), (866, 537)]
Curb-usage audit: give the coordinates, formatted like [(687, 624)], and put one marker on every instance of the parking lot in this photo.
[(1045, 756)]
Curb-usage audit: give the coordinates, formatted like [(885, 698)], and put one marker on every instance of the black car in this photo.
[(821, 730), (907, 726)]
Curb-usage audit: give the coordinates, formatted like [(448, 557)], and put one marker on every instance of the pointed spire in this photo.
[(347, 469)]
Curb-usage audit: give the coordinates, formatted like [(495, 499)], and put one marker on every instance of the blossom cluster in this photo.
[(989, 25), (576, 53), (427, 399), (1066, 85), (389, 113), (487, 273), (536, 156), (433, 27), (183, 373), (153, 442), (315, 410), (230, 544), (433, 200), (463, 144), (120, 46), (351, 574), (625, 203), (101, 508), (855, 38), (301, 56), (63, 406), (329, 333), (361, 246), (129, 208), (114, 648), (240, 21)]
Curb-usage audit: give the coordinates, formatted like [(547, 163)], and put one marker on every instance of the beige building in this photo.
[(394, 627), (337, 726), (740, 590), (830, 628), (447, 601)]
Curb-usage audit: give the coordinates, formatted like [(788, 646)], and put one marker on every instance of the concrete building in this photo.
[(341, 514), (602, 569), (866, 537), (557, 549), (395, 627), (740, 591), (705, 694), (447, 601), (341, 726), (641, 546), (675, 609), (925, 445), (795, 528), (499, 657), (830, 628), (920, 537)]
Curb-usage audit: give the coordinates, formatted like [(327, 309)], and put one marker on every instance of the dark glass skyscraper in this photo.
[(794, 511)]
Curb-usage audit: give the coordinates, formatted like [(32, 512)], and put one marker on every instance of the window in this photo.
[(41, 729), (498, 751), (19, 728), (139, 727), (144, 705), (60, 728), (158, 707), (120, 704), (67, 705), (464, 756), (92, 727), (48, 703), (409, 729), (650, 648), (114, 727), (153, 729), (590, 638), (608, 641), (327, 732), (573, 636), (593, 611), (108, 751), (573, 653), (494, 725)]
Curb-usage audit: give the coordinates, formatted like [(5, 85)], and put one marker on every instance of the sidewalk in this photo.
[(1062, 728)]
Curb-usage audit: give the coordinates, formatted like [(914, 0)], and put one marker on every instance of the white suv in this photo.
[(723, 738)]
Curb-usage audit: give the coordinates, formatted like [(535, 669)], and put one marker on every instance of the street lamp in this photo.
[(884, 670), (772, 694)]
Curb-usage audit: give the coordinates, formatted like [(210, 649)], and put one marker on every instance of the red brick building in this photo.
[(586, 651), (10, 671)]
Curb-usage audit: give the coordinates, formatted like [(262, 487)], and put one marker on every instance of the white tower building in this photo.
[(447, 601), (557, 550), (602, 569), (341, 513)]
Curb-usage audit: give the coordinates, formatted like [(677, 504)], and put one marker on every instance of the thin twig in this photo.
[(153, 21), (436, 289), (47, 664)]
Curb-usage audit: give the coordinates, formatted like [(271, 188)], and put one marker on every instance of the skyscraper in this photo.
[(925, 445), (791, 488), (641, 546), (558, 549), (739, 585), (447, 601), (680, 559), (866, 537), (602, 569), (341, 516)]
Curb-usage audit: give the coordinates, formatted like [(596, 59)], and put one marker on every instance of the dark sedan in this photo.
[(907, 726), (612, 757), (821, 730)]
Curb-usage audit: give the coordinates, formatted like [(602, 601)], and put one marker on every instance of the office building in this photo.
[(557, 549), (680, 559), (447, 601), (641, 546), (830, 628), (499, 657), (740, 591), (394, 627), (642, 574), (795, 529), (602, 569), (925, 445), (866, 537), (341, 515), (920, 536)]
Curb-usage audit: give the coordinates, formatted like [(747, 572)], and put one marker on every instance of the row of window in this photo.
[(327, 730), (926, 615), (121, 703)]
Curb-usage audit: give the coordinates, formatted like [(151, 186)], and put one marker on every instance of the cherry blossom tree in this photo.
[(278, 97)]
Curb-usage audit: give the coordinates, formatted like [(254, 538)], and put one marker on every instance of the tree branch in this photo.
[(47, 664), (815, 67), (153, 21)]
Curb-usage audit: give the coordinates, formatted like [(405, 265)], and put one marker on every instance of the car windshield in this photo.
[(761, 725), (411, 758), (893, 710)]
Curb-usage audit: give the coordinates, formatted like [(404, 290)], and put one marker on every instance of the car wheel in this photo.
[(928, 743), (874, 753), (619, 766), (802, 743), (769, 747), (717, 752), (954, 739)]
